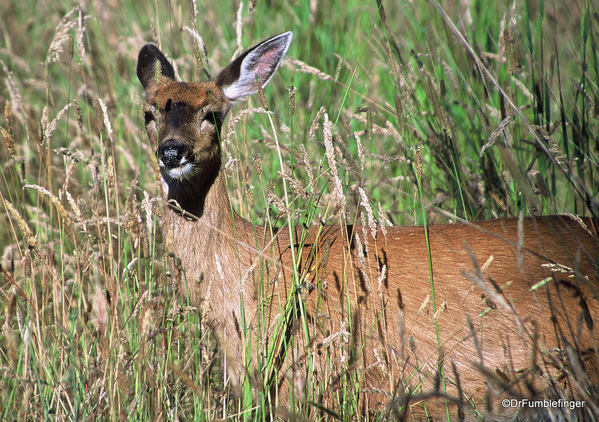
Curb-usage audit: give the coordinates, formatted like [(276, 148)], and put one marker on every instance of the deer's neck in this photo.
[(204, 224), (205, 192), (212, 257)]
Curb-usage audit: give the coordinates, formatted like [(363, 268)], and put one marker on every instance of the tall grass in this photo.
[(497, 103)]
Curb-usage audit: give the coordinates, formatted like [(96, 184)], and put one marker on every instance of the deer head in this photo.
[(184, 120)]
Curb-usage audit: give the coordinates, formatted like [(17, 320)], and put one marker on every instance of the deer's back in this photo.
[(499, 300)]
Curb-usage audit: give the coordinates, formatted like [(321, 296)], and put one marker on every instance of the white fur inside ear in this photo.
[(237, 91), (255, 71), (258, 67)]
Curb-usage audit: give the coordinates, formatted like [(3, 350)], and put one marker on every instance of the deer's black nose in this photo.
[(171, 153)]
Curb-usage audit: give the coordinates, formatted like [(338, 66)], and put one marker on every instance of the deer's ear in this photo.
[(149, 57), (256, 66)]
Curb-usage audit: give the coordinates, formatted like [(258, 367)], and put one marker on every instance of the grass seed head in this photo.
[(8, 141), (8, 116)]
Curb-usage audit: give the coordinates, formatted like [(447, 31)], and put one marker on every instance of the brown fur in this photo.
[(503, 338)]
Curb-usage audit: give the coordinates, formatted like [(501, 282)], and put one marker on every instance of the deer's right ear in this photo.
[(254, 67), (149, 56)]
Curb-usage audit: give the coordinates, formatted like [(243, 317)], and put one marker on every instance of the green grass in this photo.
[(89, 327)]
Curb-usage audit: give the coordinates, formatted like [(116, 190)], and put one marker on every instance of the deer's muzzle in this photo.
[(172, 154)]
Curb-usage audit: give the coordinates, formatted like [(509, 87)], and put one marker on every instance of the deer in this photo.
[(437, 320)]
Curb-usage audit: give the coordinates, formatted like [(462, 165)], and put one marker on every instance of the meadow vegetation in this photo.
[(421, 111)]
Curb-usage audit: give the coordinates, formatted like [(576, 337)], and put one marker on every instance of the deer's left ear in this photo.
[(256, 66), (148, 59)]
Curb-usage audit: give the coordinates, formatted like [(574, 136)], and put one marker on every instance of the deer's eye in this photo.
[(148, 117), (211, 119)]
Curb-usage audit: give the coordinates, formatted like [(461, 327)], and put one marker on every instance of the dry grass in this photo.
[(403, 115)]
